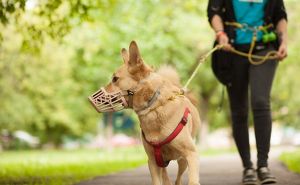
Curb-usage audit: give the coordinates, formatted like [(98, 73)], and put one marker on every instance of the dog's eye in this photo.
[(115, 79)]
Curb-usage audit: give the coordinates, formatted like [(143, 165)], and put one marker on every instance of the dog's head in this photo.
[(118, 94)]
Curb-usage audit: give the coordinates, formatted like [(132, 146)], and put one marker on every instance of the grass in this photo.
[(292, 160), (65, 167), (57, 167)]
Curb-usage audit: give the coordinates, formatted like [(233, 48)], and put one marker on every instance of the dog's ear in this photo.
[(134, 55), (136, 66), (125, 55)]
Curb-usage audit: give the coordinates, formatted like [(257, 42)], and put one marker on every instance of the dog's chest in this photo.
[(153, 123), (170, 153)]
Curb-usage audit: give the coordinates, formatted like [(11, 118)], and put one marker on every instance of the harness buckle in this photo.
[(244, 27), (130, 92), (184, 120)]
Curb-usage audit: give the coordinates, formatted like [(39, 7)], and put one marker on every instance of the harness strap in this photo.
[(245, 26), (157, 145)]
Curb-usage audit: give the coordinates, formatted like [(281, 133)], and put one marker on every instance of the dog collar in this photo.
[(151, 100)]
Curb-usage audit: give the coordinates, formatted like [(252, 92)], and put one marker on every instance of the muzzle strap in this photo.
[(130, 98)]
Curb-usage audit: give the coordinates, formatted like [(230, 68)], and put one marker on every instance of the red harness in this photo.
[(157, 146)]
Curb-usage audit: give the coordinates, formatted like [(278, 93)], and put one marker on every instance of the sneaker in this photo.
[(249, 177), (265, 176)]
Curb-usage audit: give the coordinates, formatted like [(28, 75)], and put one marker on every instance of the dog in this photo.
[(168, 119)]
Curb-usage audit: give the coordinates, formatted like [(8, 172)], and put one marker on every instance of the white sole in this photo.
[(268, 181)]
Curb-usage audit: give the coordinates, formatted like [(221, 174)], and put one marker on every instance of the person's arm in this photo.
[(221, 36), (217, 23), (214, 14), (280, 20), (281, 29)]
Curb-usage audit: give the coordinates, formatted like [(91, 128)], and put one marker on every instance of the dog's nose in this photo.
[(109, 88)]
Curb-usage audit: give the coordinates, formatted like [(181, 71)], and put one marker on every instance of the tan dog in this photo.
[(159, 105)]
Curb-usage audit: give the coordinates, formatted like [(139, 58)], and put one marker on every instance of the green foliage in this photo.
[(65, 167), (286, 86), (7, 8), (56, 53), (292, 160)]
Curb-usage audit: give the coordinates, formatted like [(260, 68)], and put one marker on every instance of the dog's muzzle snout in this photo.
[(108, 102)]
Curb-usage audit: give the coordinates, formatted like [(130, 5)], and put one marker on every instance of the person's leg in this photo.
[(261, 78), (238, 97)]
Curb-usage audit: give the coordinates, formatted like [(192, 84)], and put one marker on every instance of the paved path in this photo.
[(218, 170)]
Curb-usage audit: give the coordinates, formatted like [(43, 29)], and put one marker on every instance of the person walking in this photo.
[(236, 23)]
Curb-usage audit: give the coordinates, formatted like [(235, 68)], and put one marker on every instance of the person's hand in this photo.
[(282, 51), (223, 39)]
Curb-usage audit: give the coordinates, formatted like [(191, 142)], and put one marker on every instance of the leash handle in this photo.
[(269, 55)]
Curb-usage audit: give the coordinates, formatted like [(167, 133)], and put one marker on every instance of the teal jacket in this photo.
[(274, 12)]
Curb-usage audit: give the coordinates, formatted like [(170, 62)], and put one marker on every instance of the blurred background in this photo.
[(54, 54)]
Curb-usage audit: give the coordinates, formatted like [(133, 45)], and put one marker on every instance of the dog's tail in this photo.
[(171, 74)]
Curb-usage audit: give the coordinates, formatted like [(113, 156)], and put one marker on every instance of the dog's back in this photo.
[(170, 73)]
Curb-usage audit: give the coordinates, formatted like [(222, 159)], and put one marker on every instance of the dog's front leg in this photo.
[(182, 165), (193, 165), (155, 171), (165, 178)]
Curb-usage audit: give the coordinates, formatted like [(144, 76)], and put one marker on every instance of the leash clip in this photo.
[(130, 93), (244, 27), (183, 91)]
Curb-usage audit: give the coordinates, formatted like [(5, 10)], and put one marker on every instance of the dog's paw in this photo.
[(178, 183)]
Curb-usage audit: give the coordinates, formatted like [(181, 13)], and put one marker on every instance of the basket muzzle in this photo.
[(108, 102)]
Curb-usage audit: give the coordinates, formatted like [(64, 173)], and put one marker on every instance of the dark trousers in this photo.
[(256, 80)]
